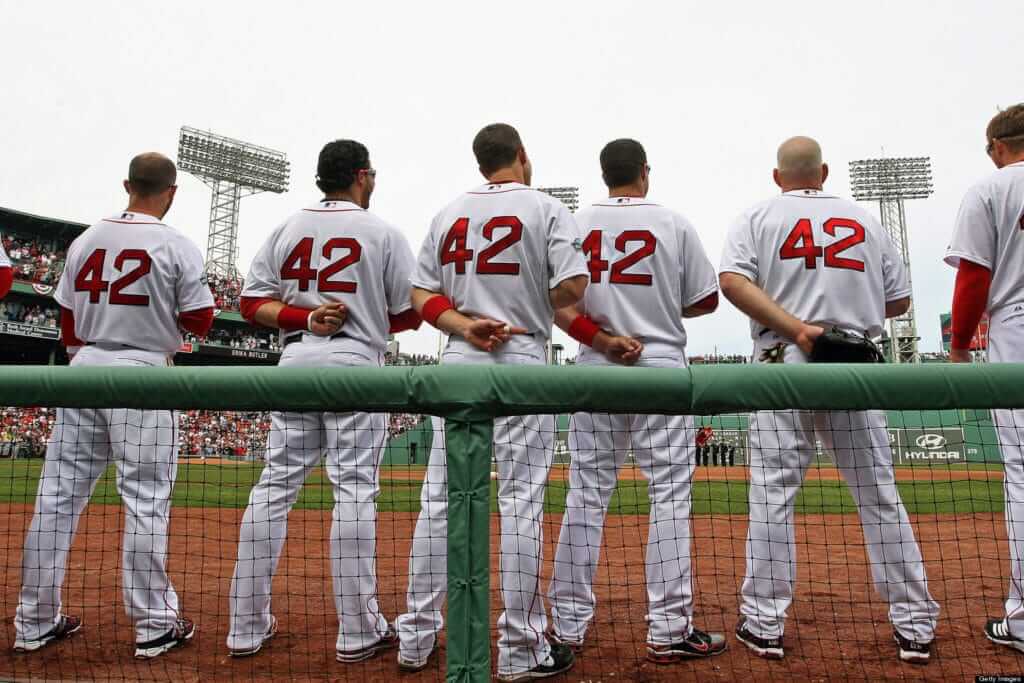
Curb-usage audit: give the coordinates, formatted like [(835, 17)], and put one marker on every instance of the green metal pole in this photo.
[(469, 445)]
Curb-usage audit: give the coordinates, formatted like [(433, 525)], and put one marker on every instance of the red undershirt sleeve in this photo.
[(970, 297), (197, 322), (407, 320), (249, 305), (708, 303), (6, 280), (67, 328)]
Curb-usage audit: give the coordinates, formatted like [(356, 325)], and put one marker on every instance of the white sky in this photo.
[(710, 89)]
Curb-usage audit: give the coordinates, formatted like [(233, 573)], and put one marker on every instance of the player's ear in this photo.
[(775, 177), (824, 173), (127, 187)]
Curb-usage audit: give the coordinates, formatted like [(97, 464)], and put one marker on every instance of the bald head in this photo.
[(799, 164), (150, 174)]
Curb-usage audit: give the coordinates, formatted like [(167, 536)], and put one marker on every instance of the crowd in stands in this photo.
[(409, 359), (34, 259), (226, 292), (715, 358), (24, 431), (207, 433), (34, 314), (240, 338)]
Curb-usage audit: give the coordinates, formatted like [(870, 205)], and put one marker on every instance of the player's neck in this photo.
[(792, 187), (146, 207), (512, 174), (340, 197), (627, 191)]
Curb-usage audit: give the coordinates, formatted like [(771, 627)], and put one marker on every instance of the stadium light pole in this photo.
[(232, 169), (891, 182)]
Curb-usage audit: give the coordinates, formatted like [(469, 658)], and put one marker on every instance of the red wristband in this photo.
[(293, 318), (435, 306), (583, 330)]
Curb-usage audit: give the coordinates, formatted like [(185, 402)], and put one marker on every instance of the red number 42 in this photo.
[(799, 244), (90, 277)]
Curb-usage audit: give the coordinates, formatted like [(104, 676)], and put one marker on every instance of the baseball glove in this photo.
[(837, 346)]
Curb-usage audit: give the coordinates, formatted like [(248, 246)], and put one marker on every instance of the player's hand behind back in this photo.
[(327, 319), (623, 350), (488, 335)]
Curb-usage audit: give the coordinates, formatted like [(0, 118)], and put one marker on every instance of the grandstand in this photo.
[(30, 335)]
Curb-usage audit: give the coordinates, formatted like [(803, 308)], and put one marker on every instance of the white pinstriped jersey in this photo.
[(821, 258), (646, 265), (336, 251), (497, 250), (127, 278), (990, 232)]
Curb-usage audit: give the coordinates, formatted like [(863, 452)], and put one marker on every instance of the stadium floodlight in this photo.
[(570, 196), (890, 182), (232, 169)]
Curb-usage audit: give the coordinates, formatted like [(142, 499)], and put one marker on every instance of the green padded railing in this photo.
[(470, 396)]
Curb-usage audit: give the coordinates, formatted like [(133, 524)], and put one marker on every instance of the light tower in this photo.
[(889, 182), (232, 169), (570, 196)]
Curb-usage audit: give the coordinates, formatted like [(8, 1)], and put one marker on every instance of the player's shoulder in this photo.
[(999, 182), (516, 192)]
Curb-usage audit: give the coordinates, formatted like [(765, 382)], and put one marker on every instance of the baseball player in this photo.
[(987, 251), (131, 283), (794, 263), (648, 270), (322, 262), (6, 272), (496, 263)]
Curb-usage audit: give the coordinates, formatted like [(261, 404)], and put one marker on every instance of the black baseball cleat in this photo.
[(388, 641), (182, 632), (559, 661), (769, 648), (250, 651), (65, 628), (696, 645), (912, 651), (998, 632)]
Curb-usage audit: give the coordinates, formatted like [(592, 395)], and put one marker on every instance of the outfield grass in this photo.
[(228, 486)]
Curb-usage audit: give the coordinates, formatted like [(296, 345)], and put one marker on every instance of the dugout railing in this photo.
[(469, 397)]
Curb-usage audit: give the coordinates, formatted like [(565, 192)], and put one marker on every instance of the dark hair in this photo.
[(496, 146), (1008, 126), (151, 173), (339, 163), (621, 162)]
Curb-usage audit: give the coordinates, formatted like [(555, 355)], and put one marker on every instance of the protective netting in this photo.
[(615, 534)]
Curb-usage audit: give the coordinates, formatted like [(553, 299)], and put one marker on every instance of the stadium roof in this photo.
[(20, 221)]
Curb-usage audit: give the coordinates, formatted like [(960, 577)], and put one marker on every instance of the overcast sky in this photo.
[(710, 89)]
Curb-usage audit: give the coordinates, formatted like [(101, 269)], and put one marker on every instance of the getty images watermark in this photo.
[(999, 678)]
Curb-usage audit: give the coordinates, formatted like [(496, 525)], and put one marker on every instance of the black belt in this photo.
[(297, 337), (121, 346)]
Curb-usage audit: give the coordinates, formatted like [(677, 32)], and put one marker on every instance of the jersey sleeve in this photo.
[(565, 256), (398, 274), (697, 277), (894, 272), (191, 288), (64, 294), (264, 278), (974, 234), (739, 255), (428, 267)]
